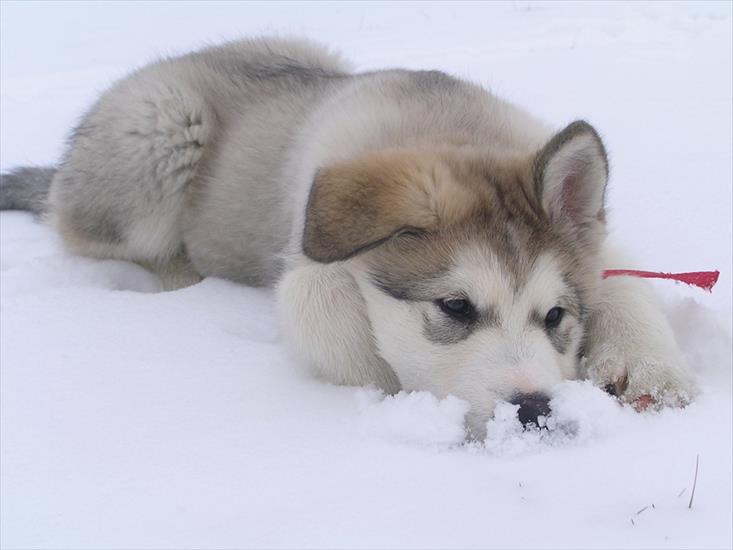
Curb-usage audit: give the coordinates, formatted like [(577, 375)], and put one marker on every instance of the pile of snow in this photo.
[(127, 414), (143, 419), (415, 418), (580, 413)]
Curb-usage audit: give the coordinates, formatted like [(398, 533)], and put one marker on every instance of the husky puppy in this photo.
[(421, 234)]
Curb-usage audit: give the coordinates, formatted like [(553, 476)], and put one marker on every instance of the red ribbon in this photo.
[(703, 279)]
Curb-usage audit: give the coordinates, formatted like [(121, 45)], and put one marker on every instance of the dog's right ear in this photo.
[(358, 204)]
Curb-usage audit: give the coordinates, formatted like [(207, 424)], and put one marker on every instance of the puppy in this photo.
[(421, 233)]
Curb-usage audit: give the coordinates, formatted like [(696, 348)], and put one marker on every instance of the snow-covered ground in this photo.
[(132, 418)]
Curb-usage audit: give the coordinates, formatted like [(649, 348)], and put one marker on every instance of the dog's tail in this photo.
[(26, 189)]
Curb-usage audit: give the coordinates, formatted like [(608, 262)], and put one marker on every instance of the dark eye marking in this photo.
[(452, 321), (458, 308), (561, 338), (554, 317)]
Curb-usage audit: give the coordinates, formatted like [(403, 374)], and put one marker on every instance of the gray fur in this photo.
[(204, 153), (443, 330), (26, 189), (155, 165), (560, 338)]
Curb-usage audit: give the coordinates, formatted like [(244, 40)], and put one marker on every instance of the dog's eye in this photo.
[(553, 317), (458, 308)]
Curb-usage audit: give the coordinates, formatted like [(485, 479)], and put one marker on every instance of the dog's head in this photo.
[(476, 268)]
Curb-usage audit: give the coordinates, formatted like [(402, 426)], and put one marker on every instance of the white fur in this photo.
[(359, 335), (495, 363), (325, 322), (633, 342)]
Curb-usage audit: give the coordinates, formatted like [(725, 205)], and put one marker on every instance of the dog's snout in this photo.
[(531, 407)]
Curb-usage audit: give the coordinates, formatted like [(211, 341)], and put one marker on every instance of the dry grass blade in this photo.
[(694, 481)]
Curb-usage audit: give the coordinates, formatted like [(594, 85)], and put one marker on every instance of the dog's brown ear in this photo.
[(571, 173), (358, 204)]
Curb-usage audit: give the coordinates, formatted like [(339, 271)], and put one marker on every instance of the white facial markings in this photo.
[(480, 274), (496, 360)]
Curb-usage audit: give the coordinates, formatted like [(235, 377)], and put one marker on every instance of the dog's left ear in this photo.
[(570, 175), (360, 203)]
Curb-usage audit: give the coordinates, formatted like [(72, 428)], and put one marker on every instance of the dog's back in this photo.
[(138, 172), (210, 156)]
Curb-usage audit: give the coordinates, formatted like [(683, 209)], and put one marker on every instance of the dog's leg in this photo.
[(325, 323), (176, 272), (122, 188), (630, 347)]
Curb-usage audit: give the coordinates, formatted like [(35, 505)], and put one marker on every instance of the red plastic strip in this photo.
[(703, 279)]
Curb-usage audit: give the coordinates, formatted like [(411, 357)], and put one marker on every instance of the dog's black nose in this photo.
[(531, 406)]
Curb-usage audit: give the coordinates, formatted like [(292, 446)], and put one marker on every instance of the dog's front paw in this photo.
[(642, 380)]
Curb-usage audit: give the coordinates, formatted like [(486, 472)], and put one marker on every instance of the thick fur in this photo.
[(26, 189), (368, 200)]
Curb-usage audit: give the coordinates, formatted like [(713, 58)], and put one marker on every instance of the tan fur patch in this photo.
[(358, 204)]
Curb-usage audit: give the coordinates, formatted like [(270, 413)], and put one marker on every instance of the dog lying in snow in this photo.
[(421, 233)]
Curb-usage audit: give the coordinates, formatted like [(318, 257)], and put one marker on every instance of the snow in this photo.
[(143, 419)]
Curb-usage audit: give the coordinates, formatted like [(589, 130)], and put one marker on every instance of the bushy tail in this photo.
[(26, 189)]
